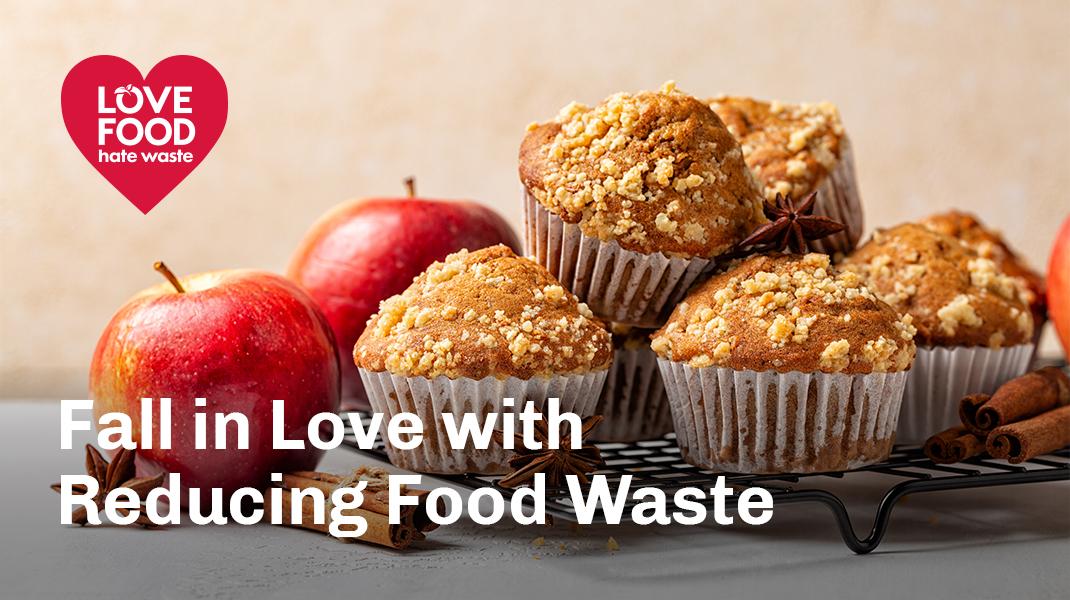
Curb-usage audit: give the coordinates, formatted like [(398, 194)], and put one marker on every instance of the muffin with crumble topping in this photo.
[(471, 331), (796, 149), (629, 202), (781, 363), (988, 243), (975, 328)]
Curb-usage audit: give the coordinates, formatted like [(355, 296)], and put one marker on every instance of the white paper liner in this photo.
[(940, 377), (431, 398), (769, 422), (633, 400), (838, 198), (619, 285)]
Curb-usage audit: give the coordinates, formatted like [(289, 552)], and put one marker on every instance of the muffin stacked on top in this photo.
[(629, 202), (974, 324), (797, 149), (784, 364), (470, 331)]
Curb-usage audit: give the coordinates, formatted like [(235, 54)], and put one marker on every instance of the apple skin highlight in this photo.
[(240, 339)]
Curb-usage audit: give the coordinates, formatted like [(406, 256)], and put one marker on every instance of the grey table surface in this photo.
[(989, 543)]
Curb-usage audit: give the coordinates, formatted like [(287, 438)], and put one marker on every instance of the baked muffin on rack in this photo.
[(796, 149), (974, 326), (470, 331), (988, 243), (630, 201), (781, 363)]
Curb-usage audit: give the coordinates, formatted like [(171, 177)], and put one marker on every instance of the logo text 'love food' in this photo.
[(158, 131), (144, 134)]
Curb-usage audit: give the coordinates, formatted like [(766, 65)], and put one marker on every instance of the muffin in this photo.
[(470, 331), (633, 400), (974, 326), (797, 149), (988, 243), (783, 364), (629, 202)]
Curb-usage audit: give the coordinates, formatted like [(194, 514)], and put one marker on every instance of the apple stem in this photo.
[(162, 268), (410, 186)]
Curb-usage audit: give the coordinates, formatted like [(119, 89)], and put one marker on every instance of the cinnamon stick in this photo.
[(953, 445), (1020, 398), (379, 532), (374, 508), (376, 494), (968, 408), (1024, 440)]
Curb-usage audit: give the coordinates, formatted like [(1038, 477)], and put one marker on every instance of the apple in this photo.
[(1059, 285), (364, 251), (240, 339)]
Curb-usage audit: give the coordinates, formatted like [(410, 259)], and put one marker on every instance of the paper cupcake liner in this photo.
[(431, 398), (769, 422), (620, 285), (838, 199), (633, 400), (940, 377)]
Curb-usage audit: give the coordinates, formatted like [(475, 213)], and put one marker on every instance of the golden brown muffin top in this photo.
[(655, 171), (790, 147), (956, 297), (787, 312), (988, 243), (483, 313)]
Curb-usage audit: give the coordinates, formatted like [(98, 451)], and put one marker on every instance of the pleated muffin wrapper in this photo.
[(941, 376), (618, 285), (838, 199), (769, 422), (633, 400), (431, 398)]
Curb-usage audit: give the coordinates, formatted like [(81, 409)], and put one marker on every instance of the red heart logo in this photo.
[(144, 134)]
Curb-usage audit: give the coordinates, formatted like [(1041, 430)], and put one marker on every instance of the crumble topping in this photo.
[(955, 296), (655, 171), (790, 147), (985, 274), (484, 313), (790, 312), (989, 244), (836, 356)]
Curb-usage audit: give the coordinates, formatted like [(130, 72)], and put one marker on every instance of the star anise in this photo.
[(555, 464), (120, 473), (790, 226)]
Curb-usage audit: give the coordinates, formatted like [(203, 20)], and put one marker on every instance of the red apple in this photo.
[(365, 251), (1059, 285), (240, 339)]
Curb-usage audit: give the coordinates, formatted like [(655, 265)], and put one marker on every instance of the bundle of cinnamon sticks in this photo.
[(414, 524), (1026, 417)]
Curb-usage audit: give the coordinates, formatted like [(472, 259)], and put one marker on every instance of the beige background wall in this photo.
[(948, 103)]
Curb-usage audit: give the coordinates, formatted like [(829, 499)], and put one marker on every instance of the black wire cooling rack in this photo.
[(657, 463)]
